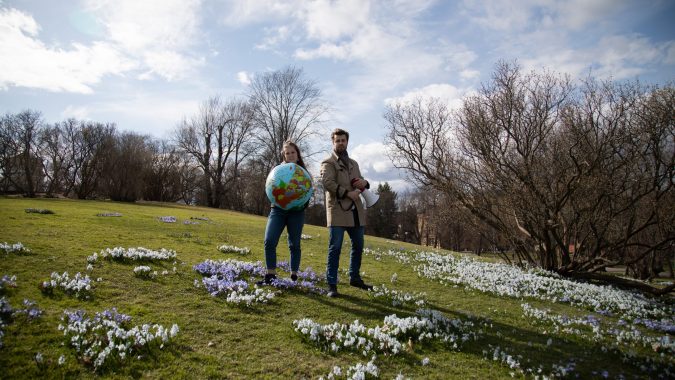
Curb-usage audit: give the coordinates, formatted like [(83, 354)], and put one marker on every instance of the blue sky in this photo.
[(145, 64)]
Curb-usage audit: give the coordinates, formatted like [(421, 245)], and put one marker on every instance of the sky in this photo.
[(147, 64)]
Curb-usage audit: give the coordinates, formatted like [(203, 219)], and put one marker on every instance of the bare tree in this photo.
[(239, 132), (87, 144), (253, 176), (189, 180), (21, 164), (286, 107), (125, 167), (216, 139), (56, 161), (577, 179), (9, 151), (163, 175)]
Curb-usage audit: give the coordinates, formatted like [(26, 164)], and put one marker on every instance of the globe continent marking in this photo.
[(289, 186)]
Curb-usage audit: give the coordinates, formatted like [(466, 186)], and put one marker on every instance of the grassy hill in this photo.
[(507, 331)]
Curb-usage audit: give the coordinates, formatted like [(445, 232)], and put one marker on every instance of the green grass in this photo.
[(219, 340)]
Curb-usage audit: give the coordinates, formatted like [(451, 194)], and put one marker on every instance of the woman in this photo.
[(292, 220)]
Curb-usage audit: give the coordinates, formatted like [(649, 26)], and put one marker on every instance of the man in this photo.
[(343, 183)]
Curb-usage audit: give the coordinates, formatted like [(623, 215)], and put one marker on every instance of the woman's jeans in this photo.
[(276, 222), (336, 235)]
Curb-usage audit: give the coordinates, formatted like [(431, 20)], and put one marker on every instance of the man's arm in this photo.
[(360, 182), (329, 180)]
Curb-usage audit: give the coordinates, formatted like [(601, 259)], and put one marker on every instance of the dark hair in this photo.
[(294, 146), (340, 132)]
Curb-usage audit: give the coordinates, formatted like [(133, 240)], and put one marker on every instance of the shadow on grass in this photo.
[(366, 307), (529, 350)]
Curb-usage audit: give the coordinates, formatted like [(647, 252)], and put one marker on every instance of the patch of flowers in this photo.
[(514, 362), (233, 249), (167, 219), (92, 259), (200, 218), (144, 271), (306, 237), (231, 279), (133, 254), (357, 371), (664, 325), (389, 338), (400, 255), (30, 310), (8, 314), (7, 282), (229, 267), (108, 338), (397, 297), (228, 279), (508, 280), (186, 221), (596, 329), (109, 214), (78, 286), (308, 280), (39, 211), (14, 248)]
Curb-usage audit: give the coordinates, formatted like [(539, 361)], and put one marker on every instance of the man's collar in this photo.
[(337, 158)]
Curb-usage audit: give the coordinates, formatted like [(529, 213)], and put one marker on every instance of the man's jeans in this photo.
[(279, 219), (335, 236)]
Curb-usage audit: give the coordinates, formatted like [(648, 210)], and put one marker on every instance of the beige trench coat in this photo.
[(336, 179)]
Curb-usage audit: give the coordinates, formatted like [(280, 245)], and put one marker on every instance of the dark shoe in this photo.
[(294, 277), (267, 280), (332, 291), (360, 284)]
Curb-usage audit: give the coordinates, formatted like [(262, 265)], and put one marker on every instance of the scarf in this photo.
[(344, 157)]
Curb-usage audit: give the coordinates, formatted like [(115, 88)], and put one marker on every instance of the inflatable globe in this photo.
[(289, 186)]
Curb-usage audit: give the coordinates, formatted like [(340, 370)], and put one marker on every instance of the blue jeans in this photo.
[(335, 236), (279, 219)]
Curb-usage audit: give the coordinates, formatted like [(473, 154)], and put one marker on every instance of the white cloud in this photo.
[(380, 39), (459, 56), (157, 32), (449, 94), (238, 13), (143, 113), (80, 113), (244, 78), (372, 43), (169, 64), (529, 15), (618, 57), (330, 21), (275, 36), (373, 160), (572, 37), (377, 168), (498, 14), (151, 36), (670, 53), (469, 74), (577, 14), (137, 25), (28, 62), (410, 7)]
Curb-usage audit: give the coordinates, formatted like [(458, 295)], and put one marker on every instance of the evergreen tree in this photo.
[(382, 217)]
